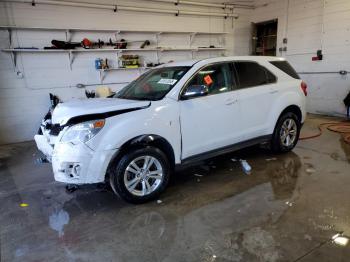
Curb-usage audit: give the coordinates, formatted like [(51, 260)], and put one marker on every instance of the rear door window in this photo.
[(251, 74), (286, 67)]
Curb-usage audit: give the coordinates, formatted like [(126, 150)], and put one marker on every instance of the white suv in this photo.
[(175, 114)]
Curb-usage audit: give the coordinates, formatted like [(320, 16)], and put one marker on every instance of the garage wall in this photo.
[(24, 101), (310, 25)]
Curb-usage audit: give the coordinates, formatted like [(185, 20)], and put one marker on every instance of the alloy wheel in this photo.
[(143, 175), (288, 132)]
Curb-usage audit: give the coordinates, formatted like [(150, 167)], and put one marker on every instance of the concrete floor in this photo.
[(288, 209)]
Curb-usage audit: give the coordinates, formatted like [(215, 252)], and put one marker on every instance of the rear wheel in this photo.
[(140, 175), (286, 133)]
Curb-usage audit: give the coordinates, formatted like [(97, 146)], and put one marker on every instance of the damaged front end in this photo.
[(48, 132), (66, 137)]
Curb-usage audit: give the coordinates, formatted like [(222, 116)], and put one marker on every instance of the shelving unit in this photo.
[(103, 30), (104, 71), (117, 32), (71, 52), (69, 31), (28, 50)]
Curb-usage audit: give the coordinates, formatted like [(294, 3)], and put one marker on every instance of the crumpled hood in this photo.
[(80, 107)]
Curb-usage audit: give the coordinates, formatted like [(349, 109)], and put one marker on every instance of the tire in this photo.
[(288, 127), (146, 181)]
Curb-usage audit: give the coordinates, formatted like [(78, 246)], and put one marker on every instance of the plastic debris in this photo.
[(234, 160), (289, 203), (271, 159), (159, 201), (23, 205), (310, 170), (247, 169), (198, 175)]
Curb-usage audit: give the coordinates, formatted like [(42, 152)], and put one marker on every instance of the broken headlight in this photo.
[(82, 132)]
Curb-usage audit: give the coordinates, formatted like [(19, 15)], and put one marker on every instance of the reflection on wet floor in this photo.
[(288, 208)]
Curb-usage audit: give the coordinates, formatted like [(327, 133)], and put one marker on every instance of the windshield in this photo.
[(154, 84)]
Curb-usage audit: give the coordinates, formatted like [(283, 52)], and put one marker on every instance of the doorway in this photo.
[(264, 38)]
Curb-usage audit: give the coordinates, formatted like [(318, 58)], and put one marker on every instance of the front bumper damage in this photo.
[(72, 163)]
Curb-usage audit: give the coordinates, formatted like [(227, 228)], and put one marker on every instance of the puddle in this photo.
[(261, 243)]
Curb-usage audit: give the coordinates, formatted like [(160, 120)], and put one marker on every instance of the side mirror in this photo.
[(195, 91)]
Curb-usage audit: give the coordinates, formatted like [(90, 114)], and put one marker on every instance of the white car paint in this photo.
[(78, 107), (191, 127)]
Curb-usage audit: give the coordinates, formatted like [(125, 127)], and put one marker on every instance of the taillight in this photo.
[(303, 86)]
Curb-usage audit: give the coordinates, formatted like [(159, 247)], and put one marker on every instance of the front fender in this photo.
[(160, 120)]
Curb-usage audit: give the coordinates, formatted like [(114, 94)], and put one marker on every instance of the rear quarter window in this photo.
[(286, 67)]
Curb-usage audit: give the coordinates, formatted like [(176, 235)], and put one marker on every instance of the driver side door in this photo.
[(210, 122)]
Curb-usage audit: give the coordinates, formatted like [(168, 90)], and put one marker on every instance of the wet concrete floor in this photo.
[(287, 209)]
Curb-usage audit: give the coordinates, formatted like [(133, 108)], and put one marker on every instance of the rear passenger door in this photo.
[(257, 91)]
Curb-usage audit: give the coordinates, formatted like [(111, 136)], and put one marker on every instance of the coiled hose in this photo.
[(342, 127)]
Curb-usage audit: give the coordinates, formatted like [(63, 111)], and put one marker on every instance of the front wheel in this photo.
[(140, 175), (286, 133)]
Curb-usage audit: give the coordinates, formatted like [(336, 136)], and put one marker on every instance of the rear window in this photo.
[(252, 74), (286, 67)]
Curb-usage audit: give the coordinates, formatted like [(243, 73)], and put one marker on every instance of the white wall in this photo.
[(310, 25), (23, 101)]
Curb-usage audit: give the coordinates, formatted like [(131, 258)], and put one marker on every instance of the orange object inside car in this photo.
[(208, 80)]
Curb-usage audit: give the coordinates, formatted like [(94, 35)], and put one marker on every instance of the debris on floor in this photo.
[(307, 237), (23, 205), (71, 188), (247, 169), (41, 160), (234, 160), (289, 203), (271, 159), (310, 170), (159, 201), (198, 175)]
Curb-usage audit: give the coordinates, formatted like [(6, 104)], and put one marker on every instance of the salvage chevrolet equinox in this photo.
[(175, 114)]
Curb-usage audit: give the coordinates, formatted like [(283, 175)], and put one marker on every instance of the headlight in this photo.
[(83, 132)]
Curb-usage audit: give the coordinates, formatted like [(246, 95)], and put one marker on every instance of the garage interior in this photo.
[(291, 207)]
